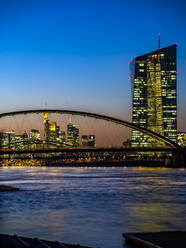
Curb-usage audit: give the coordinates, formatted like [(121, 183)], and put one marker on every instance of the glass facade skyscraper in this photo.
[(72, 135), (154, 104)]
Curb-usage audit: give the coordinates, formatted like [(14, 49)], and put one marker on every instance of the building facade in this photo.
[(34, 138), (84, 140), (88, 140), (154, 100), (72, 135), (8, 140), (91, 140), (181, 139), (51, 132)]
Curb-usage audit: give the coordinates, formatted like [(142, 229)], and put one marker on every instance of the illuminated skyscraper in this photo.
[(181, 138), (34, 138), (84, 140), (51, 131), (34, 135), (72, 135), (61, 138), (153, 78), (91, 140), (8, 140), (46, 128), (88, 140)]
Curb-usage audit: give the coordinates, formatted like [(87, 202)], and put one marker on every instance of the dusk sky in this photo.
[(75, 54)]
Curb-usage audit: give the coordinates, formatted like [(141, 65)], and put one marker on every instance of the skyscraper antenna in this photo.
[(46, 105), (70, 119), (159, 41)]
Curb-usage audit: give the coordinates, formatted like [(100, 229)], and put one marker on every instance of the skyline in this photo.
[(106, 133), (75, 55)]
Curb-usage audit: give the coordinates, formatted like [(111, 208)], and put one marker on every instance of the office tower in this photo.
[(1, 139), (91, 140), (181, 138), (34, 135), (34, 138), (76, 136), (72, 135), (84, 140), (46, 128), (20, 142), (88, 140), (51, 131), (154, 106), (61, 139), (25, 135), (8, 140)]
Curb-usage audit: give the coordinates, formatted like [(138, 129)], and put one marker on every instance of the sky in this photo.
[(75, 54)]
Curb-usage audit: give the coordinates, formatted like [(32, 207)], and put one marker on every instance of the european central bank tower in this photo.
[(154, 105)]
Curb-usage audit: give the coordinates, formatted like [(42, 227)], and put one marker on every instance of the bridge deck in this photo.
[(91, 149)]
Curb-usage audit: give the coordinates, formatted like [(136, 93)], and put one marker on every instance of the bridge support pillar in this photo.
[(179, 158)]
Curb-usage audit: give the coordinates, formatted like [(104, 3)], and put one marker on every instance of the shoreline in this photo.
[(128, 164), (8, 188)]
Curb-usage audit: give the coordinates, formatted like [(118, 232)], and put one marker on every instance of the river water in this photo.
[(91, 206)]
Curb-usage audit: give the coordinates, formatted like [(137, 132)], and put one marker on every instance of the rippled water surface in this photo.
[(90, 206)]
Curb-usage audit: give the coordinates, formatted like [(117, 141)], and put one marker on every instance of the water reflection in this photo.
[(92, 206), (155, 217)]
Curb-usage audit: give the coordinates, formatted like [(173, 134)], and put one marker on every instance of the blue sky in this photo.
[(75, 54)]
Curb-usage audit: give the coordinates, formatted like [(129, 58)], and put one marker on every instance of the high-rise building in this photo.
[(72, 135), (84, 140), (91, 140), (1, 139), (8, 140), (154, 105), (88, 140), (20, 142), (51, 132), (46, 128), (34, 135), (34, 138), (61, 139), (181, 138)]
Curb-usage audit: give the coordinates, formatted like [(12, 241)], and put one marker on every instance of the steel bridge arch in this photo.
[(150, 133)]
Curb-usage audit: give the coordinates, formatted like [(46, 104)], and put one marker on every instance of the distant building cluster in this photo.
[(53, 137)]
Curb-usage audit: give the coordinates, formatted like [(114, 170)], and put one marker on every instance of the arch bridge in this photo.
[(150, 133)]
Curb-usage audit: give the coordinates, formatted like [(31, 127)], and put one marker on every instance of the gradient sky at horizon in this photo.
[(75, 54)]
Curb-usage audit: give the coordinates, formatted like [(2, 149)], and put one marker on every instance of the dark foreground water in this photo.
[(92, 206)]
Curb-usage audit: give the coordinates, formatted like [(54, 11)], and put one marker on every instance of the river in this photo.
[(91, 206)]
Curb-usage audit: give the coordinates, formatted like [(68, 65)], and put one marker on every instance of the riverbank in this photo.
[(54, 163), (8, 188), (9, 241), (170, 239)]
